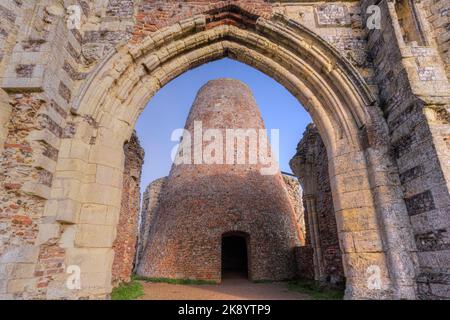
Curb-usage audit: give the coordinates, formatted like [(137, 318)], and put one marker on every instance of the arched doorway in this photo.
[(327, 85), (234, 255)]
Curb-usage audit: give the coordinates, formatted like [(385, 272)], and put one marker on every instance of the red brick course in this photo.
[(153, 15), (127, 229)]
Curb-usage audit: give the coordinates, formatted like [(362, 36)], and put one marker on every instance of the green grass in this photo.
[(174, 281), (315, 290), (127, 291)]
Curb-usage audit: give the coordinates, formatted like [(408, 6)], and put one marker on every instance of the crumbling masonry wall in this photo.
[(295, 193), (321, 257), (61, 197), (150, 203), (125, 244), (414, 95), (154, 191), (438, 14)]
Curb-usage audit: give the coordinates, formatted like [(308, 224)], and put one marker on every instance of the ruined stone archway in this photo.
[(325, 83), (49, 221)]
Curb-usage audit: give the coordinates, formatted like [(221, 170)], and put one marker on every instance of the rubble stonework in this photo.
[(418, 126), (70, 99), (125, 244), (438, 14), (203, 202), (154, 191), (310, 164), (295, 193), (150, 203)]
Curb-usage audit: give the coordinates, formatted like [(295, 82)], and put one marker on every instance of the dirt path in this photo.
[(229, 289)]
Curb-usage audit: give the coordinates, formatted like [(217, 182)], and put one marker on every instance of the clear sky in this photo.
[(169, 108)]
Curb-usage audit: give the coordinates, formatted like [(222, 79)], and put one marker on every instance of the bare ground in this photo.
[(232, 288)]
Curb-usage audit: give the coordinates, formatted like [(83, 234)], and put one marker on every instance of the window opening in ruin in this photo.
[(409, 22)]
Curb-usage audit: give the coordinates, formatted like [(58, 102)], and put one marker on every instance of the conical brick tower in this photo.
[(204, 204)]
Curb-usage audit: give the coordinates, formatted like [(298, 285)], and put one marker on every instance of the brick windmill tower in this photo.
[(218, 217)]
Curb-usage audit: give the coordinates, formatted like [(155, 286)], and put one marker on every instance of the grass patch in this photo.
[(315, 290), (174, 281), (127, 291)]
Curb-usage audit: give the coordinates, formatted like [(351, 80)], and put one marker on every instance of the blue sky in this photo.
[(169, 108)]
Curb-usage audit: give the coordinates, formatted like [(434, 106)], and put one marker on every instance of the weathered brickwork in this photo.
[(416, 130), (202, 202), (152, 198), (332, 15), (22, 205), (153, 15), (341, 25), (295, 193), (150, 203), (120, 8), (321, 230), (438, 14), (304, 256), (125, 243), (69, 99)]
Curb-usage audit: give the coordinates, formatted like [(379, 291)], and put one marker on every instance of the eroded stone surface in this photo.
[(311, 165), (125, 243), (150, 204)]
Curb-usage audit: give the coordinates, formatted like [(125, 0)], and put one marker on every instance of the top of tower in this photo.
[(225, 82), (225, 103)]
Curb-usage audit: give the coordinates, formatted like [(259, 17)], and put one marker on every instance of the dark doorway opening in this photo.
[(234, 256)]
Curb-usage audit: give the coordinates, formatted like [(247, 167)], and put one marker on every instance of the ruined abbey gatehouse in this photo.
[(373, 167)]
